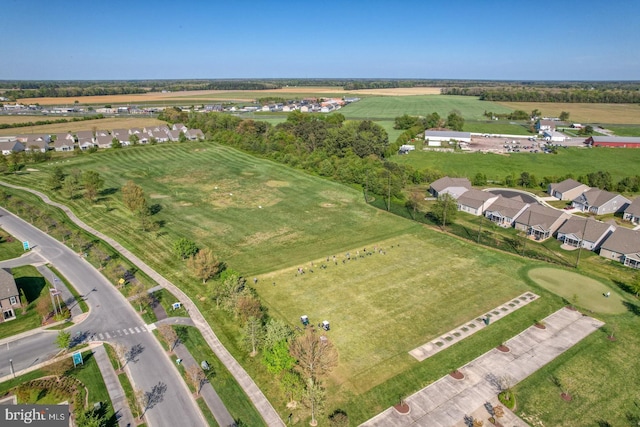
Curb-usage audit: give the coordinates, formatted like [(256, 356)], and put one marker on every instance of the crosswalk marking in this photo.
[(137, 330), (100, 336), (125, 332), (131, 330), (107, 335)]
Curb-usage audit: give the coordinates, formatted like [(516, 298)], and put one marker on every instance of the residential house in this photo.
[(194, 134), (159, 135), (504, 211), (632, 212), (86, 143), (453, 186), (600, 202), (475, 201), (179, 127), (584, 232), (539, 221), (622, 245), (135, 131), (102, 133), (36, 143), (568, 189), (13, 146), (435, 138), (545, 125), (85, 134), (9, 295), (122, 135), (174, 135), (104, 141), (63, 145)]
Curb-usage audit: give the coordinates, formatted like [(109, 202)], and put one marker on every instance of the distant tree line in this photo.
[(47, 90), (539, 94), (49, 122)]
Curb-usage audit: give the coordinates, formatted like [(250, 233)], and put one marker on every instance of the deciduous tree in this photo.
[(185, 248), (63, 339), (444, 209), (196, 377), (55, 178), (253, 334), (169, 334), (277, 359), (315, 354), (92, 182), (204, 265)]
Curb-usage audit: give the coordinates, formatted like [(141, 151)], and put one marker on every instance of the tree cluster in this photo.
[(547, 94), (71, 185)]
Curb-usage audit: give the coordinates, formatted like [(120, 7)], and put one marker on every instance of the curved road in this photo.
[(112, 316), (264, 407)]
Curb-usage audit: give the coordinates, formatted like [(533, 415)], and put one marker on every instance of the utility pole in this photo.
[(480, 226), (526, 233)]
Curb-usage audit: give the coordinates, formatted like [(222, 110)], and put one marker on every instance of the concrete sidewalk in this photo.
[(115, 390), (208, 393), (262, 404), (447, 401)]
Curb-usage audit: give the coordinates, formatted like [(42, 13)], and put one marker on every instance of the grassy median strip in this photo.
[(81, 302), (207, 412)]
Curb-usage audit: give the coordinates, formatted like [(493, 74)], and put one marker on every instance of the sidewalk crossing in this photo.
[(123, 332)]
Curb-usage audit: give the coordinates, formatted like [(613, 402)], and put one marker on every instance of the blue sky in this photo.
[(456, 39)]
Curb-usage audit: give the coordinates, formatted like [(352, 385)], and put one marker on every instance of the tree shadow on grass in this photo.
[(624, 287), (32, 287), (632, 307)]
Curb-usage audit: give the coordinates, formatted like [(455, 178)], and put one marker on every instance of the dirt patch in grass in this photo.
[(277, 184), (327, 205), (158, 196)]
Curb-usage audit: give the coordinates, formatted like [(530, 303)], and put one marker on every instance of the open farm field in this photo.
[(15, 118), (230, 95), (578, 161), (582, 113), (625, 130), (379, 107), (107, 123)]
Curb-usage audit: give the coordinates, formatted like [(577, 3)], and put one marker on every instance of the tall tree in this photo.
[(314, 397), (92, 182), (63, 340), (564, 116), (196, 376), (204, 265), (315, 354), (55, 178), (276, 331), (169, 334), (253, 334), (134, 199), (185, 248), (444, 209), (71, 185), (277, 358), (455, 121)]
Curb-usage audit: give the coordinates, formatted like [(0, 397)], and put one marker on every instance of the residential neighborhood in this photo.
[(100, 139), (539, 221)]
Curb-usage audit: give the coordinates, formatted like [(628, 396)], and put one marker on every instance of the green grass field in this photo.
[(582, 112), (578, 161), (579, 290), (500, 127), (380, 306), (390, 107)]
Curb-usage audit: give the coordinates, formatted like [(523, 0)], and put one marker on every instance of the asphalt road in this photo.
[(112, 319)]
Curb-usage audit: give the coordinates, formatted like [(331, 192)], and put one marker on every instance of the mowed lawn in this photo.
[(578, 289), (256, 215), (390, 107), (383, 305), (577, 161)]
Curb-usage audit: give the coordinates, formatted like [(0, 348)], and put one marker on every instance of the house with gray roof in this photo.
[(36, 143), (434, 138), (568, 189), (622, 245), (179, 127), (84, 134), (174, 135), (103, 141), (504, 211), (194, 134), (12, 146), (475, 201), (86, 143), (159, 135), (632, 212), (453, 186), (9, 295), (584, 232), (122, 135), (63, 145), (540, 222), (600, 202)]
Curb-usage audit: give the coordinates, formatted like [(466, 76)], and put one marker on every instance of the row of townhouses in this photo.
[(85, 140), (542, 222)]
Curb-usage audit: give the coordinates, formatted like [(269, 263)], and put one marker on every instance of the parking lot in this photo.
[(524, 144)]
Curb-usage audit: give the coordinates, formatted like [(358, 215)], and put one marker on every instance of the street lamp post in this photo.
[(11, 366)]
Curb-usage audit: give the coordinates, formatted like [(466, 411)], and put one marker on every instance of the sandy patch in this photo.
[(158, 196), (282, 235), (327, 205), (33, 170), (185, 204), (277, 184)]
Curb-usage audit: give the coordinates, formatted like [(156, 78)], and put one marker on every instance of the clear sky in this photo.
[(456, 39)]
